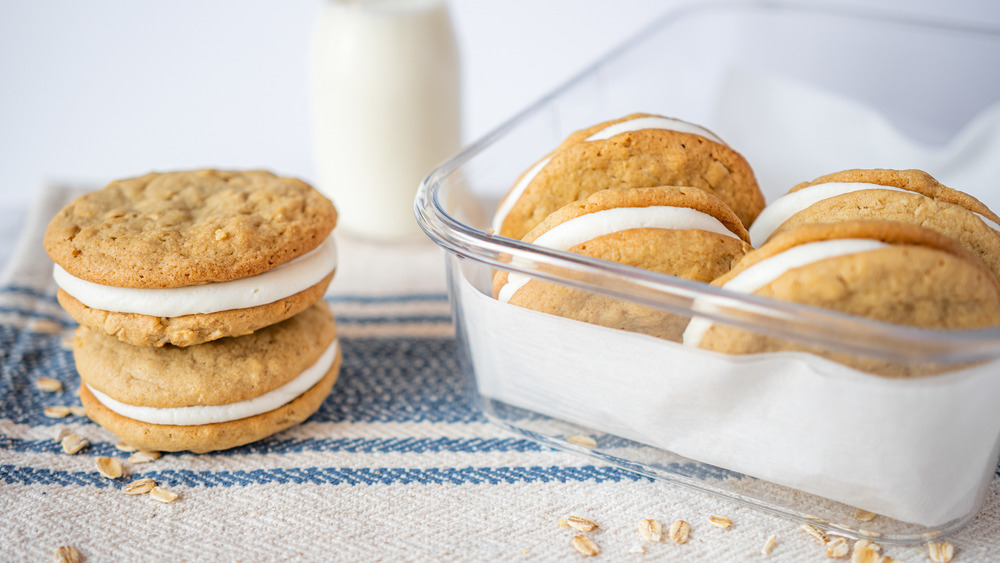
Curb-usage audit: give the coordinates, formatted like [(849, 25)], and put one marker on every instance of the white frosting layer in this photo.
[(508, 202), (653, 122), (190, 416), (635, 124), (592, 225), (770, 269), (273, 285), (783, 208)]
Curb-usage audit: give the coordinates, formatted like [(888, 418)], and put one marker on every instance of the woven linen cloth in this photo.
[(397, 464)]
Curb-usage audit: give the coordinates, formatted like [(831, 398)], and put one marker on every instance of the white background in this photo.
[(93, 91)]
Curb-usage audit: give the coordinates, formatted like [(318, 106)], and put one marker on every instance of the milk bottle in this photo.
[(386, 108)]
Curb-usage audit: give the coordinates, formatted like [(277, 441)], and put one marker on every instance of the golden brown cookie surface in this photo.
[(913, 180), (920, 279), (214, 373), (187, 228), (187, 330), (690, 253), (924, 202), (642, 158), (210, 437), (220, 373)]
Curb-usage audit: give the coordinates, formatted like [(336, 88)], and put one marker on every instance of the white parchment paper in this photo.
[(915, 450)]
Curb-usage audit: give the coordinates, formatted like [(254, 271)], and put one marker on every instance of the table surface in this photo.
[(395, 465)]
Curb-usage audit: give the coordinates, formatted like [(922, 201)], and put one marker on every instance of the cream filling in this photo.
[(786, 206), (196, 415), (770, 269), (636, 124), (653, 122), (592, 225), (273, 285)]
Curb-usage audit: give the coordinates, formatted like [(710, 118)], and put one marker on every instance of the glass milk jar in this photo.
[(386, 108)]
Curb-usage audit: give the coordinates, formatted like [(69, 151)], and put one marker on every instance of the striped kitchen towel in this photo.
[(399, 463)]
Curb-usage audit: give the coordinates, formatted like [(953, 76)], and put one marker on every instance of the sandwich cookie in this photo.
[(680, 231), (640, 150), (211, 396), (909, 196), (886, 271), (187, 257)]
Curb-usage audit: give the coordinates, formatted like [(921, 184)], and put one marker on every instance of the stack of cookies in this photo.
[(667, 196), (199, 298), (646, 191)]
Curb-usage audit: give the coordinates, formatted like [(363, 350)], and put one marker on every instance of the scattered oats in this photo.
[(45, 325), (866, 554), (562, 523), (837, 548), (720, 521), (109, 467), (679, 531), (816, 533), (637, 548), (56, 412), (140, 486), (580, 440), (940, 552), (61, 432), (123, 447), (585, 545), (48, 384), (869, 534), (77, 410), (66, 554), (144, 456), (769, 545), (867, 544), (887, 559), (163, 495), (651, 530), (863, 515), (72, 443), (580, 523)]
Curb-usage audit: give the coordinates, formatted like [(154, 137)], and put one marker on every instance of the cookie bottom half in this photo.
[(188, 330), (210, 437)]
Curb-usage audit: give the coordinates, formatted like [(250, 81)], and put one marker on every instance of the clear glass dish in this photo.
[(790, 433)]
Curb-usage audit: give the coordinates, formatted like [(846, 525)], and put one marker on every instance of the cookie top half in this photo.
[(673, 197), (883, 270), (853, 189), (911, 180), (640, 150), (675, 230), (176, 229), (224, 371), (909, 196), (886, 271)]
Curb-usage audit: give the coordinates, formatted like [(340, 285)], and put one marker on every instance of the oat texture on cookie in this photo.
[(177, 229)]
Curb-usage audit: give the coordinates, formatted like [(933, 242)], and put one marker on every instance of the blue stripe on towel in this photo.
[(417, 298), (28, 291), (11, 474), (61, 319), (381, 380), (401, 319), (279, 445), (394, 319), (364, 300)]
